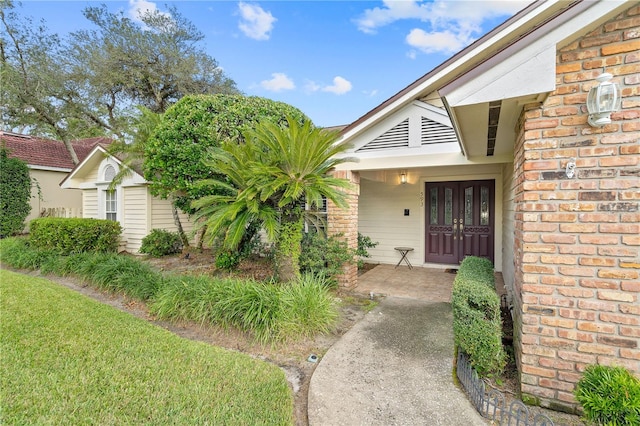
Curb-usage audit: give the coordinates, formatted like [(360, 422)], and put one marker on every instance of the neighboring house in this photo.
[(130, 203), (49, 163), (483, 142)]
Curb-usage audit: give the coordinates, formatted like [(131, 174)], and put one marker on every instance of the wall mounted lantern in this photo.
[(403, 178), (602, 100)]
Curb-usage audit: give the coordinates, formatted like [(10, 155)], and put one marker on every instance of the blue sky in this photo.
[(335, 60)]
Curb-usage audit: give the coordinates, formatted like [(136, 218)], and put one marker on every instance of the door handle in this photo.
[(455, 229)]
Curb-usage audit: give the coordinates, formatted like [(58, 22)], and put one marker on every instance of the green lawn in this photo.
[(66, 359)]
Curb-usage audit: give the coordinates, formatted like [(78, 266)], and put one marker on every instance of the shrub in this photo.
[(227, 260), (324, 257), (479, 269), (477, 326), (364, 244), (125, 274), (75, 235), (160, 243), (14, 197), (609, 396)]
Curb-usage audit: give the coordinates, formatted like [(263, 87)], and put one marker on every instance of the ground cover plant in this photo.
[(609, 395), (70, 360)]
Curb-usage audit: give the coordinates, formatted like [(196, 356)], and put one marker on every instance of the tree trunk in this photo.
[(72, 152), (176, 220), (288, 248)]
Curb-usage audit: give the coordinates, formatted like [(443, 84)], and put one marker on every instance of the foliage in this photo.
[(173, 155), (15, 194), (86, 84), (161, 242), (270, 312), (67, 359), (75, 235), (478, 268), (227, 260), (477, 325), (264, 181), (609, 395), (364, 244), (324, 256)]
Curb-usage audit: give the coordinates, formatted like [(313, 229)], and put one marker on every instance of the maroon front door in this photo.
[(459, 220)]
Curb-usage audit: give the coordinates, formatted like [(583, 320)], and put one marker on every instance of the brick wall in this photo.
[(577, 241), (345, 222)]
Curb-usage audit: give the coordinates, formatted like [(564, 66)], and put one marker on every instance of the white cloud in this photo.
[(278, 83), (448, 25), (139, 8), (311, 86), (370, 93), (255, 22), (340, 86)]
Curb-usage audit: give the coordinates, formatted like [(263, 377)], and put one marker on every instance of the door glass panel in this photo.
[(484, 206), (433, 196), (468, 206), (448, 206)]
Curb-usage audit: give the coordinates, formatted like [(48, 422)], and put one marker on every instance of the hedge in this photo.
[(74, 235), (477, 325)]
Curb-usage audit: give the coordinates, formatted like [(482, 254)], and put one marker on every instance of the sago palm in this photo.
[(265, 180)]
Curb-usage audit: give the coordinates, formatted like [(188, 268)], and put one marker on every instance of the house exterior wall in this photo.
[(344, 222), (383, 200), (508, 228), (162, 218), (577, 241), (135, 220), (55, 200), (90, 203)]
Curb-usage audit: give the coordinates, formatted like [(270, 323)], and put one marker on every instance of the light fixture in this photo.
[(403, 178), (602, 100)]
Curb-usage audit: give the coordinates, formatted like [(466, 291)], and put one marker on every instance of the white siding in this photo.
[(381, 217), (134, 221), (508, 229), (162, 217), (92, 176), (90, 203)]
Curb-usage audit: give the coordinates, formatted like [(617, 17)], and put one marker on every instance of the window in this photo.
[(111, 205), (315, 215), (109, 173)]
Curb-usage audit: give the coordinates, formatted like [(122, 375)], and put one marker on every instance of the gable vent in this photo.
[(397, 137), (432, 132)]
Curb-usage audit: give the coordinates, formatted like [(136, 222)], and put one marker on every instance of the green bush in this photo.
[(227, 260), (15, 194), (364, 244), (479, 269), (324, 256), (477, 325), (609, 395), (161, 242), (75, 235), (18, 253)]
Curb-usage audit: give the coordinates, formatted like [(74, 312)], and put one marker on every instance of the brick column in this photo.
[(345, 222), (577, 240)]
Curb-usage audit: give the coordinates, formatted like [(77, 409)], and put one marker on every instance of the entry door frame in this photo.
[(456, 241)]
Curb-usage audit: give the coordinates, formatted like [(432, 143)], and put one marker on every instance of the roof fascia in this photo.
[(96, 149)]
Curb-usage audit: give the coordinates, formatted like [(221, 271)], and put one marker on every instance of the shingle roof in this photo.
[(47, 152)]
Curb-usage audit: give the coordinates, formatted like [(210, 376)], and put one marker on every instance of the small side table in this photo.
[(403, 253)]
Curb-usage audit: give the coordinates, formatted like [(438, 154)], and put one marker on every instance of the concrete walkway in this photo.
[(392, 368)]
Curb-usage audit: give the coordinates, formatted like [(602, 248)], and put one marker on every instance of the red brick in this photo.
[(596, 349), (577, 207), (630, 286), (557, 280), (559, 217), (579, 228), (616, 251), (596, 327), (541, 124), (618, 341), (537, 371), (630, 309), (630, 354), (576, 314), (597, 217), (556, 301), (558, 260), (576, 272), (576, 292), (616, 296), (631, 240), (577, 336), (558, 322), (556, 364), (538, 269), (619, 319), (622, 228), (617, 274), (598, 151), (537, 289), (569, 376), (598, 239), (587, 250), (597, 261), (597, 306), (619, 138), (558, 239), (630, 331), (577, 357), (610, 285)]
